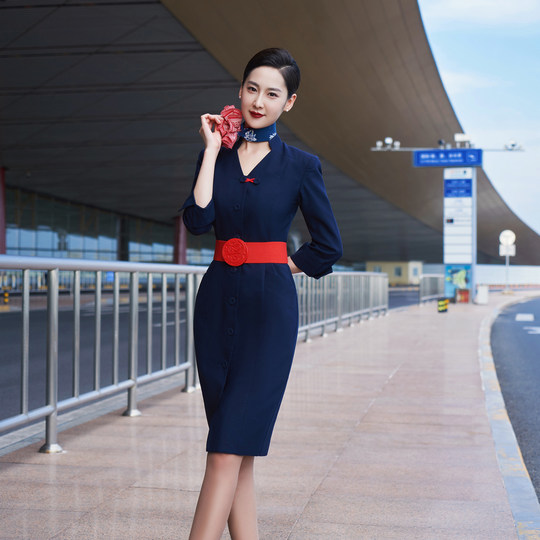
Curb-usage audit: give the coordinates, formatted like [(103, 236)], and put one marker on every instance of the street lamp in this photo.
[(459, 138), (389, 144)]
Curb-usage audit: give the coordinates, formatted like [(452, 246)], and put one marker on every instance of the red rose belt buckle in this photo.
[(235, 252)]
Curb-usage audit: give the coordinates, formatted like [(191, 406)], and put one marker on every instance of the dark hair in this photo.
[(280, 59)]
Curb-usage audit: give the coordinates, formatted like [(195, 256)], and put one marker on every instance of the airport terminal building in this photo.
[(100, 105)]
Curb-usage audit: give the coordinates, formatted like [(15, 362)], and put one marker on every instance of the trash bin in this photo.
[(482, 294), (462, 296)]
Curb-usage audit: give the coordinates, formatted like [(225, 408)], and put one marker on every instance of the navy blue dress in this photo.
[(246, 317)]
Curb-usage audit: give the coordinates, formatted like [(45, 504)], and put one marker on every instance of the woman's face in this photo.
[(263, 97)]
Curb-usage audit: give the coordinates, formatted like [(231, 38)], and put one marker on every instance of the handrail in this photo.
[(431, 287), (49, 263), (328, 304)]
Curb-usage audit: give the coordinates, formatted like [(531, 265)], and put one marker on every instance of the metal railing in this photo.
[(338, 300), (431, 287), (325, 305), (175, 284)]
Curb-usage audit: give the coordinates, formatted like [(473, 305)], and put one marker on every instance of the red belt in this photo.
[(236, 252)]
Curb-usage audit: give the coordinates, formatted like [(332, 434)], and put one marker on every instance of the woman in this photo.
[(246, 313)]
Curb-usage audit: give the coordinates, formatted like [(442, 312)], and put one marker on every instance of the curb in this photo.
[(520, 491)]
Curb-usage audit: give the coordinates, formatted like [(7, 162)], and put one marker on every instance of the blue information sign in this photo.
[(457, 277), (461, 187), (452, 157)]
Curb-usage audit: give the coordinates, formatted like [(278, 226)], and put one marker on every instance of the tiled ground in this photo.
[(383, 434)]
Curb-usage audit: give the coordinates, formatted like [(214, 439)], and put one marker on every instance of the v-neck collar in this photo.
[(273, 147)]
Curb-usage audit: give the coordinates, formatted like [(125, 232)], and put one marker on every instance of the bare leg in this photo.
[(216, 497), (243, 516)]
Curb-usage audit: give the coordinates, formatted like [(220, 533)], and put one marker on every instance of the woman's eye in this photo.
[(251, 89), (272, 94)]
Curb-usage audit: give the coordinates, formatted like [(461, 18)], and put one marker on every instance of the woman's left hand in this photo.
[(293, 267)]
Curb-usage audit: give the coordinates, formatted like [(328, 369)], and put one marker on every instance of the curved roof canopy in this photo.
[(102, 104)]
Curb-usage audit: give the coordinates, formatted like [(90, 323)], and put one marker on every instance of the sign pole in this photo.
[(474, 238), (507, 247), (459, 233), (460, 212), (507, 288)]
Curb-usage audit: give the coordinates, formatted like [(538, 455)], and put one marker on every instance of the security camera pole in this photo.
[(459, 229)]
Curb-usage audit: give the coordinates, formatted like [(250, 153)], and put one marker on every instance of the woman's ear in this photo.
[(289, 103)]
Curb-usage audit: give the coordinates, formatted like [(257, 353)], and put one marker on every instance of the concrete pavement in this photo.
[(383, 434)]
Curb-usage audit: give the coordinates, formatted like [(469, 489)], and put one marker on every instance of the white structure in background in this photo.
[(507, 248), (459, 216)]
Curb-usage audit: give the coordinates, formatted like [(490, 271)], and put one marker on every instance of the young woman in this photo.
[(246, 313)]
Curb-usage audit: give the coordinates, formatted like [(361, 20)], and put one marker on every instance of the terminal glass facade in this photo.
[(37, 225)]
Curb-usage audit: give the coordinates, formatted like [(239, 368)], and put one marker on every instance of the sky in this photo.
[(488, 55)]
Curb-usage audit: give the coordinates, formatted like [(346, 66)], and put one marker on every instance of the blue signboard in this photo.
[(452, 157), (459, 187), (457, 277)]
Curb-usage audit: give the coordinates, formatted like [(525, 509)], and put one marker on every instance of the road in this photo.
[(402, 296), (10, 351), (515, 343)]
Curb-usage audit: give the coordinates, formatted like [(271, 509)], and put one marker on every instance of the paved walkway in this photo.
[(383, 434)]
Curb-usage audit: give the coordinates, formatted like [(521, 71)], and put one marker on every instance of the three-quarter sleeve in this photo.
[(316, 258), (198, 220)]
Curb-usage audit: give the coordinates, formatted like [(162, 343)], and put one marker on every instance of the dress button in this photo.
[(230, 331), (236, 207), (232, 300)]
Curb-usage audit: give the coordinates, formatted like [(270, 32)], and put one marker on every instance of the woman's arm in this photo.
[(316, 258), (204, 184), (199, 212)]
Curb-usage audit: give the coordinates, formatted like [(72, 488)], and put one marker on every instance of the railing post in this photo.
[(133, 342), (163, 321), (76, 332), (325, 305), (149, 321), (51, 445), (25, 340), (177, 319), (116, 325), (339, 288), (309, 306), (97, 333), (190, 385), (385, 289), (371, 282)]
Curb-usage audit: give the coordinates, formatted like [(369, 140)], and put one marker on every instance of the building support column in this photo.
[(122, 239), (180, 241), (2, 210)]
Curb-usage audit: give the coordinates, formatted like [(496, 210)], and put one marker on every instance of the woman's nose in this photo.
[(258, 100)]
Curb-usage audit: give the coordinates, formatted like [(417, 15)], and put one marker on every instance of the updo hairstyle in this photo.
[(280, 59)]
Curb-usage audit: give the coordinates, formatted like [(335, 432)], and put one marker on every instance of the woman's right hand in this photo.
[(210, 135)]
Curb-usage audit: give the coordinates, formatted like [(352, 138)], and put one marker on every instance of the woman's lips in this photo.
[(256, 114)]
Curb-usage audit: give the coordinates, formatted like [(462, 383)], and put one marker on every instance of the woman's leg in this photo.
[(216, 497), (243, 516)]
